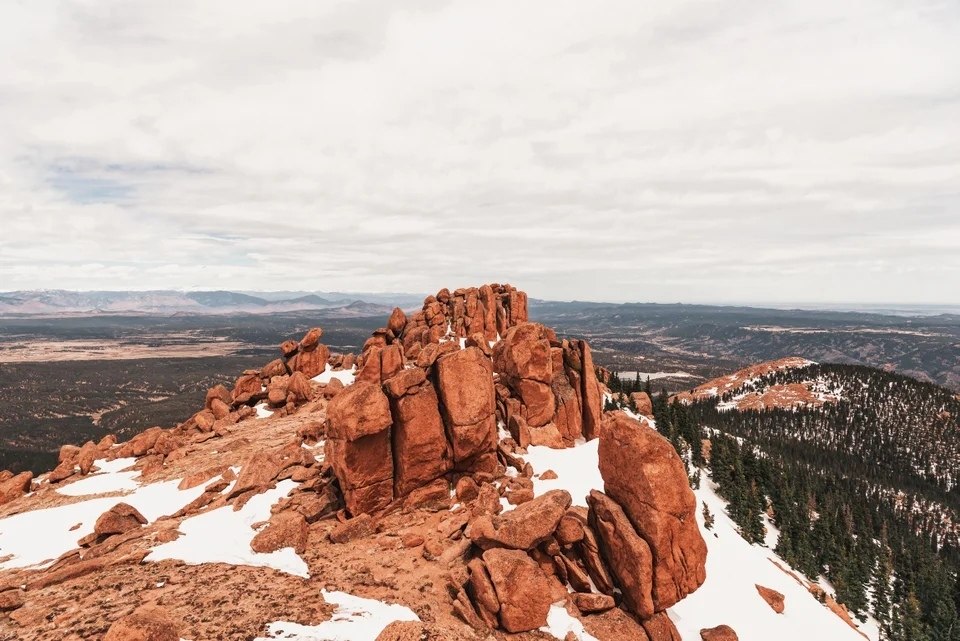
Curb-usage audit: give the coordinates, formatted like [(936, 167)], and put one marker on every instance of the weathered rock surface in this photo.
[(522, 589), (148, 623), (719, 633), (773, 598), (643, 474)]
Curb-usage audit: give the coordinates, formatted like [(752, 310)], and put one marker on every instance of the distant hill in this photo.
[(164, 302)]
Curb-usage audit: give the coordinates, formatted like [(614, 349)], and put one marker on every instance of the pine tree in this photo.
[(708, 518)]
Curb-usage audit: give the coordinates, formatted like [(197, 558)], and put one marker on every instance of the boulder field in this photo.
[(412, 454)]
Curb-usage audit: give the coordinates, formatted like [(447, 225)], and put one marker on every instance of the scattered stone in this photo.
[(719, 633), (288, 529), (773, 598)]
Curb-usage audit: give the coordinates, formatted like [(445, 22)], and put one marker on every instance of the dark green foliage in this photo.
[(861, 492)]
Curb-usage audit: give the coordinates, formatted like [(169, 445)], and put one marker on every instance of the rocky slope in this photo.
[(405, 493)]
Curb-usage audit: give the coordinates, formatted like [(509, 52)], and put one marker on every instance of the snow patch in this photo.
[(729, 595), (577, 469), (110, 478), (345, 376), (560, 623), (355, 619), (39, 537), (224, 535)]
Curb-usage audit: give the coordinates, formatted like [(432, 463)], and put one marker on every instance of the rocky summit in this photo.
[(394, 491)]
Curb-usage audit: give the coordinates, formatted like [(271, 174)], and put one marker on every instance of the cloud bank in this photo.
[(692, 151)]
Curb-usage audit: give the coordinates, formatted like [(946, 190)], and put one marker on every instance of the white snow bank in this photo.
[(346, 376), (110, 478), (223, 536), (577, 469), (559, 623), (262, 411), (355, 619), (38, 537), (729, 595)]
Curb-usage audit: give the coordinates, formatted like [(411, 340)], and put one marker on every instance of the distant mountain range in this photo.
[(44, 302)]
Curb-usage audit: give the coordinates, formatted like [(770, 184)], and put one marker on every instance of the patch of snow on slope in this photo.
[(734, 566), (576, 468), (355, 619), (729, 595), (560, 623), (223, 536), (262, 411), (345, 376), (38, 537), (110, 478)]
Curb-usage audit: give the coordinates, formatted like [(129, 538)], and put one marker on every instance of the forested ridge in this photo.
[(863, 491)]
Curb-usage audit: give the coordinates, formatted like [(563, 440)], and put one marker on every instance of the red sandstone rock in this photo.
[(643, 474), (643, 403), (246, 388), (397, 321), (311, 339), (719, 633), (522, 589), (311, 363), (525, 526), (590, 398), (773, 598), (628, 556), (358, 446), (288, 529), (588, 603), (86, 456), (119, 519), (15, 487), (465, 385), (421, 452), (614, 625), (147, 623)]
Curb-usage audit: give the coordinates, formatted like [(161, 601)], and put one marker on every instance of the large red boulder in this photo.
[(628, 556), (524, 527), (590, 394), (421, 452), (524, 361), (644, 475), (465, 384), (310, 362), (358, 446), (288, 529), (119, 519), (523, 591), (15, 487)]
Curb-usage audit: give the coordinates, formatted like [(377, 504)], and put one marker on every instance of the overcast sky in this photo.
[(647, 151)]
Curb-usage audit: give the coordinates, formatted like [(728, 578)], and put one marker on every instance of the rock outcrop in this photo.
[(643, 474), (421, 455)]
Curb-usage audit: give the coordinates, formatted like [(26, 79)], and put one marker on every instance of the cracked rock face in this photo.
[(643, 474)]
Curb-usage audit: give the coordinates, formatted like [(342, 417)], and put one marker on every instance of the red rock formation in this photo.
[(421, 452), (15, 486), (627, 555), (643, 474), (465, 383), (119, 519), (522, 589), (358, 446)]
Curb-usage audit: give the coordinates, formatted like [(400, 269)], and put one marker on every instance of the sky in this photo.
[(645, 151)]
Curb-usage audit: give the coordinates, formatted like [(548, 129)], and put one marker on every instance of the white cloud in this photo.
[(677, 151)]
